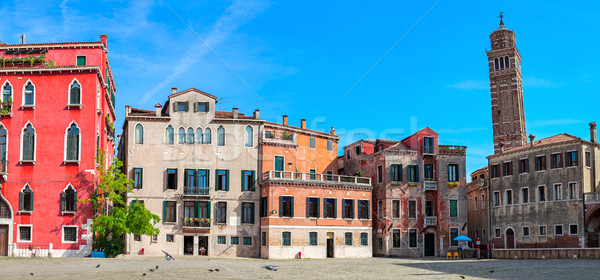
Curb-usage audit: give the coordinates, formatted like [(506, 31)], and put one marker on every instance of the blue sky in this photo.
[(306, 59)]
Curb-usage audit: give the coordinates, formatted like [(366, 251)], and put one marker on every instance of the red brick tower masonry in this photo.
[(508, 115)]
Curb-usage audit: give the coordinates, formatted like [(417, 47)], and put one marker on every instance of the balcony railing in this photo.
[(591, 198), (428, 149), (452, 150), (196, 222), (430, 220), (5, 108), (430, 185), (290, 175), (279, 136), (187, 190)]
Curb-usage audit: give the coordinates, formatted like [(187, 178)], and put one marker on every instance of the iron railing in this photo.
[(194, 222), (290, 175), (187, 190)]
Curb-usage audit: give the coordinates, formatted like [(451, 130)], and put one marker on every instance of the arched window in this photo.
[(139, 134), (6, 92), (26, 199), (501, 63), (28, 94), (506, 63), (28, 143), (75, 94), (69, 200), (221, 136), (73, 143), (207, 136), (170, 137), (3, 143), (181, 135), (496, 65), (199, 136), (190, 136), (249, 137)]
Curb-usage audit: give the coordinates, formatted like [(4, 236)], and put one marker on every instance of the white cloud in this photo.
[(470, 85)]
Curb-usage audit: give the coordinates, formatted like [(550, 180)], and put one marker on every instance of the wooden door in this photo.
[(510, 239), (3, 240), (429, 244)]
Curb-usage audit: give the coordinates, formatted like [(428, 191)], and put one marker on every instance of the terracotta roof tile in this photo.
[(135, 112), (229, 115), (193, 89), (559, 138)]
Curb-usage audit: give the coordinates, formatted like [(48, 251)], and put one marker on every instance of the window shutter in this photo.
[(20, 200), (243, 212), (292, 206), (198, 209), (325, 208), (175, 105), (72, 143), (243, 180), (281, 206), (227, 180), (187, 106), (252, 212), (62, 201), (195, 107), (253, 181), (141, 178), (335, 208), (216, 179), (31, 202), (344, 208), (400, 170), (207, 183), (208, 210), (74, 201), (393, 172), (359, 210), (417, 173), (318, 205), (308, 207), (449, 173), (164, 211), (28, 146), (352, 208), (368, 209)]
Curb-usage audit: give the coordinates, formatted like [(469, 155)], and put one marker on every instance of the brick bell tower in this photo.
[(508, 114)]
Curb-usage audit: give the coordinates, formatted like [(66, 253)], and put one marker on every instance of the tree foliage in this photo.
[(113, 217)]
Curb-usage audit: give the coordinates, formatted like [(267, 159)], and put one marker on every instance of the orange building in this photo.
[(307, 209)]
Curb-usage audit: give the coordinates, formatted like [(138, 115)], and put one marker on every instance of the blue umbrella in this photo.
[(463, 238)]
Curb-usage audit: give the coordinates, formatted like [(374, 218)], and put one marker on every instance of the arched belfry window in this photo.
[(26, 199), (249, 137), (501, 63), (170, 137), (207, 136), (139, 134), (69, 199), (496, 65), (221, 136), (190, 136), (6, 92), (28, 93), (181, 135), (506, 62), (72, 148), (75, 93), (28, 146)]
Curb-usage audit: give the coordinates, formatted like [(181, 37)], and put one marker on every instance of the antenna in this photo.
[(220, 102)]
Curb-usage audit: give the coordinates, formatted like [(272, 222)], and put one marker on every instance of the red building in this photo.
[(57, 108)]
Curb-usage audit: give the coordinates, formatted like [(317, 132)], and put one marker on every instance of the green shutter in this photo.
[(62, 201), (198, 209), (281, 206), (325, 208), (164, 211), (208, 208), (175, 106), (187, 106), (352, 207), (252, 188), (207, 183), (31, 202), (216, 179), (394, 170), (74, 201), (227, 180), (318, 205), (453, 208), (243, 181), (308, 207), (243, 212), (335, 208), (141, 178), (368, 209), (417, 173), (343, 208), (292, 206), (195, 107), (20, 200), (252, 212), (401, 172)]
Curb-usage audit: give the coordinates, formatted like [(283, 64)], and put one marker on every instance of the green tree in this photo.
[(113, 217)]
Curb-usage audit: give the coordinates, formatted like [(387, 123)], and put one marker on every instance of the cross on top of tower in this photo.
[(501, 16)]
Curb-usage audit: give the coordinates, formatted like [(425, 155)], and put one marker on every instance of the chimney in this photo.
[(531, 139), (303, 123), (235, 113), (593, 132), (22, 39), (174, 90), (332, 131), (285, 120), (103, 39), (257, 114), (158, 109), (127, 110)]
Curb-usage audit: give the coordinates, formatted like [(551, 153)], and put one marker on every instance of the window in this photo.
[(169, 134), (506, 63), (181, 106), (428, 171), (69, 200), (329, 145), (6, 93), (81, 60), (348, 154), (501, 63), (507, 168), (207, 136), (379, 174), (202, 107), (28, 94), (453, 208), (221, 212), (312, 238), (496, 198), (496, 64), (170, 214), (541, 193), (154, 238), (222, 180), (588, 159), (363, 209), (221, 240), (312, 172), (395, 209), (263, 206), (572, 159), (525, 195), (235, 240), (286, 206), (203, 181), (483, 201), (137, 237), (357, 150), (495, 173), (413, 173), (138, 174), (558, 192), (508, 197), (170, 238), (248, 212), (412, 238), (190, 210), (556, 161), (263, 239), (428, 147), (329, 209), (348, 210), (190, 136), (572, 190), (249, 137), (247, 240), (364, 239), (28, 153), (483, 233), (199, 136), (190, 179), (573, 230), (220, 136), (542, 231), (72, 143), (558, 230), (452, 172), (396, 172), (497, 232), (525, 231), (247, 180), (172, 178), (75, 94), (312, 207), (475, 208), (540, 163), (181, 135), (395, 238), (26, 199), (312, 142), (453, 234), (524, 165), (348, 238), (24, 233), (3, 138), (412, 209), (286, 238)]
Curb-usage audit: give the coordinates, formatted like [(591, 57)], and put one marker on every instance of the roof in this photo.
[(282, 126), (229, 115), (8, 46), (135, 112), (190, 90), (559, 138)]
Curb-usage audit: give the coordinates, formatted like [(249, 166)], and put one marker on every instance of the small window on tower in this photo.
[(501, 63), (506, 63), (496, 65)]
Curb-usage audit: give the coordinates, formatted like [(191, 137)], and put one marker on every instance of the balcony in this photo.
[(281, 137), (196, 222), (428, 150), (591, 198), (430, 220), (314, 178), (452, 150), (6, 108), (430, 185), (196, 191)]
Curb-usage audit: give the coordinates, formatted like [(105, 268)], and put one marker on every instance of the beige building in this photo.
[(196, 168)]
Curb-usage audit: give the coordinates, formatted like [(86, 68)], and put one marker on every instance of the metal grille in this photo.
[(4, 210), (25, 233), (70, 234)]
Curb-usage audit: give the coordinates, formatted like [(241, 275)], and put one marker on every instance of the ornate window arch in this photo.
[(169, 134), (75, 92), (26, 199), (68, 199), (199, 136), (190, 136), (72, 142), (28, 142), (221, 136), (181, 135), (207, 136), (249, 139), (139, 133), (28, 93)]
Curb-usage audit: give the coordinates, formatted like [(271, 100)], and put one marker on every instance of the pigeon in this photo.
[(269, 267), (168, 256), (31, 273), (462, 277), (157, 267), (151, 270), (98, 266), (210, 270), (216, 269), (491, 271), (144, 274)]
